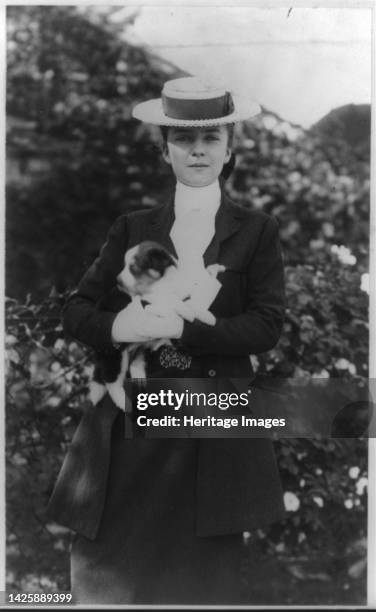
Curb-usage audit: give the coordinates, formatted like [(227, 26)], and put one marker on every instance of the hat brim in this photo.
[(152, 112)]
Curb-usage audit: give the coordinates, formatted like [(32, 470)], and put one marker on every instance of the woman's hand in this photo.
[(199, 313), (136, 324), (184, 309)]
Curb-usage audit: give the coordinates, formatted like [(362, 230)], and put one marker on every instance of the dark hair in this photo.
[(227, 168)]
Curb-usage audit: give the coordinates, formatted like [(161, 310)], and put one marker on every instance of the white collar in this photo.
[(205, 200)]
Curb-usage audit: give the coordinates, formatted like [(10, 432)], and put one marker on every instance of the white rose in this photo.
[(53, 402), (291, 501), (10, 340), (59, 344), (344, 254), (319, 501), (344, 364), (361, 485), (354, 472), (364, 282), (322, 374)]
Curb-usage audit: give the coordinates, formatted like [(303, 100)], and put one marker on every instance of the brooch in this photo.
[(169, 357)]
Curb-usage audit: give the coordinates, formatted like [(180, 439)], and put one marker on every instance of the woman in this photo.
[(161, 521)]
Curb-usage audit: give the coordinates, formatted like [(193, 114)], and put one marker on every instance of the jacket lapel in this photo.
[(228, 221), (160, 224)]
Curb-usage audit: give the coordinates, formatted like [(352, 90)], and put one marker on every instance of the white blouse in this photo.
[(193, 230), (194, 226)]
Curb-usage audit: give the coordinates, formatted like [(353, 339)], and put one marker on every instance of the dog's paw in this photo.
[(215, 269), (205, 317), (185, 310), (141, 383), (96, 392), (156, 344), (117, 395), (137, 370)]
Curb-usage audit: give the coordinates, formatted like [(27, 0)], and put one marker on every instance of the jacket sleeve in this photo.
[(82, 319), (259, 327)]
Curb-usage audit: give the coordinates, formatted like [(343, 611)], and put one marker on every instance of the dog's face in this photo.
[(145, 264)]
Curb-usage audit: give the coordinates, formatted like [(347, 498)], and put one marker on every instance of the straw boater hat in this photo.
[(192, 103)]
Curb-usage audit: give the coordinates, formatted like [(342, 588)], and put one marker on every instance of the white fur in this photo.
[(116, 388), (166, 295), (96, 392), (137, 367)]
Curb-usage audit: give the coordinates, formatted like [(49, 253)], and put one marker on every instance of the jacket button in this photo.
[(212, 372)]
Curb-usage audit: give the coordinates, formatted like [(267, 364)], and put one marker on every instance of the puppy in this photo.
[(152, 280)]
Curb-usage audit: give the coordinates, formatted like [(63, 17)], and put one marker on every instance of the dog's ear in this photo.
[(153, 259), (159, 260), (155, 274)]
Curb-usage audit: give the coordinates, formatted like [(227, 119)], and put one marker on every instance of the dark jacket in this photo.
[(238, 486)]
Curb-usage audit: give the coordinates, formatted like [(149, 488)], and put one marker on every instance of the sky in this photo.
[(299, 62)]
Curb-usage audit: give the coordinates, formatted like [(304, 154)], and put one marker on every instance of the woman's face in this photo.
[(197, 155)]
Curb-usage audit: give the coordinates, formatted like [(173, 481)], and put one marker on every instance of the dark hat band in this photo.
[(212, 108)]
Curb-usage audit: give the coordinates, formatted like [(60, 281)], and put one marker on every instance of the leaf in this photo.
[(357, 569), (304, 299), (296, 571)]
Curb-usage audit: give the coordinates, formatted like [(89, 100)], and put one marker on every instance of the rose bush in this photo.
[(47, 380)]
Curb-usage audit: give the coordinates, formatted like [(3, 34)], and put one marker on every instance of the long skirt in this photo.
[(146, 550)]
